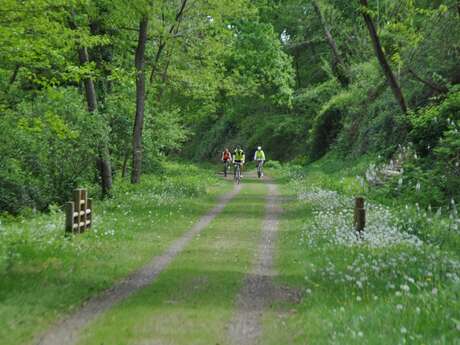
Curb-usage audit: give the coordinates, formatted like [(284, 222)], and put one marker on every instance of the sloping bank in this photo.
[(400, 284)]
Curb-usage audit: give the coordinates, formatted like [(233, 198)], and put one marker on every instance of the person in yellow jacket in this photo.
[(259, 157), (238, 157)]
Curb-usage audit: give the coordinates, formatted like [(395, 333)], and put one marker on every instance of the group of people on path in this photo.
[(239, 157)]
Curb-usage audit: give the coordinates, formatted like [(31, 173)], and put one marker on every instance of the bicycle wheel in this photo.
[(238, 174)]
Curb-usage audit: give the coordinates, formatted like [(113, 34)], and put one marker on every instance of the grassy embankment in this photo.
[(399, 285), (44, 275)]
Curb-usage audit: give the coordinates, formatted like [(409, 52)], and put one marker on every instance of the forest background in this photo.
[(93, 92)]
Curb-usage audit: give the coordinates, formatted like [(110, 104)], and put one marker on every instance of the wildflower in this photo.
[(405, 288), (434, 291), (399, 307), (403, 330)]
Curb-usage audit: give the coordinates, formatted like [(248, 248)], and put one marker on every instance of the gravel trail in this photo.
[(258, 289), (67, 331)]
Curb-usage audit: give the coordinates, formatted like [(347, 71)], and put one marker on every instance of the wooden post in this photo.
[(359, 214), (83, 203), (77, 201), (69, 211), (89, 213)]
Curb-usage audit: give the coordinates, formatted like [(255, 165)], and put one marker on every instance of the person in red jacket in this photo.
[(227, 159)]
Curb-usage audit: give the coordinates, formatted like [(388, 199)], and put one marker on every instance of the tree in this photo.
[(338, 62), (140, 99), (391, 79), (103, 157)]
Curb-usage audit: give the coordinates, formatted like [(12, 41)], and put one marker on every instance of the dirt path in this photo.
[(67, 331), (258, 289)]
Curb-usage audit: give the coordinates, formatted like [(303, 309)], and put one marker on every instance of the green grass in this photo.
[(192, 301), (44, 275), (397, 293), (353, 294), (347, 176)]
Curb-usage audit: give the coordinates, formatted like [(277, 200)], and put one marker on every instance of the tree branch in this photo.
[(430, 83), (174, 27)]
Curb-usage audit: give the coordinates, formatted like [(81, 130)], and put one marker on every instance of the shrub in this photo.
[(53, 151), (273, 164), (429, 124)]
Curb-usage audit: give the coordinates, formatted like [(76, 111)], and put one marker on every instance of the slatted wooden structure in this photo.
[(79, 212)]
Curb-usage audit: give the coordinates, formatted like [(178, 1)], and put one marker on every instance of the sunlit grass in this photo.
[(192, 301)]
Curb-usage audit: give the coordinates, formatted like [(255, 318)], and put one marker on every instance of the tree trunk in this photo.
[(397, 92), (140, 101), (338, 63), (103, 159), (14, 75)]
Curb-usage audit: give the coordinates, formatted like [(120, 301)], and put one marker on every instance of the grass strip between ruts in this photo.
[(192, 301)]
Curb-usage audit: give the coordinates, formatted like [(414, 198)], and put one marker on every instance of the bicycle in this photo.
[(260, 171), (226, 164), (237, 174)]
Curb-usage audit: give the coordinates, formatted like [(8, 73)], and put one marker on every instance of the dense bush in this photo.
[(48, 147), (430, 123)]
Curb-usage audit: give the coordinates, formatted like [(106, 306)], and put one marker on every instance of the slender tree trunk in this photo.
[(297, 69), (172, 30), (103, 160), (14, 74), (397, 92), (338, 63), (140, 100), (90, 90), (12, 79)]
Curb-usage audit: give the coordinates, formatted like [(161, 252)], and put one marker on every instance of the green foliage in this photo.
[(430, 123), (328, 123), (272, 164), (53, 151)]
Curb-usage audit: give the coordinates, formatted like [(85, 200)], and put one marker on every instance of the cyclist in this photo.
[(259, 157), (238, 157), (226, 158)]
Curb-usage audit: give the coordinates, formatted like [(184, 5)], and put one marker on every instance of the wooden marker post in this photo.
[(359, 214), (78, 212)]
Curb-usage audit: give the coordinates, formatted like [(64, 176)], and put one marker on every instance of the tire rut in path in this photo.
[(258, 289), (68, 330)]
